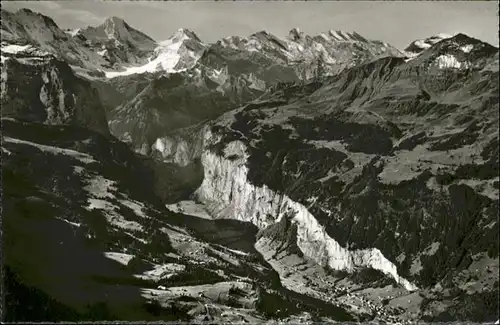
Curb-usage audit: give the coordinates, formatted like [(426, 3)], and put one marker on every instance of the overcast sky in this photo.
[(397, 23)]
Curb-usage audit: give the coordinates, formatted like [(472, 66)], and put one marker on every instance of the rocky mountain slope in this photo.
[(325, 178)]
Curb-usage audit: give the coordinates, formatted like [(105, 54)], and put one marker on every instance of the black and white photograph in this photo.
[(258, 162)]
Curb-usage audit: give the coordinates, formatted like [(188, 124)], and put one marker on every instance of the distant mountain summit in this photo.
[(327, 53), (420, 45), (117, 49), (295, 34), (177, 53), (117, 42), (117, 29), (455, 52)]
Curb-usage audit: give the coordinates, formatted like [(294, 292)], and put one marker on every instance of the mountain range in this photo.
[(254, 179)]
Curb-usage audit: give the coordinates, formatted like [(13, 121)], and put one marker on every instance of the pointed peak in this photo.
[(461, 37), (295, 34), (340, 35), (24, 13), (261, 33), (358, 37), (184, 33), (115, 21), (445, 46)]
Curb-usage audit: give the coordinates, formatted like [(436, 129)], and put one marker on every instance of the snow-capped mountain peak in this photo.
[(177, 53), (184, 34), (456, 52), (420, 45), (441, 36), (115, 28)]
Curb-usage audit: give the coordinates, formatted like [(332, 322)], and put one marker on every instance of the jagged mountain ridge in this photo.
[(314, 165), (110, 46), (116, 45), (119, 43), (176, 54), (26, 27)]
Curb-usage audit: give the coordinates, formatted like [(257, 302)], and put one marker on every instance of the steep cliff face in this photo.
[(85, 206), (117, 42), (109, 46), (207, 80), (227, 193)]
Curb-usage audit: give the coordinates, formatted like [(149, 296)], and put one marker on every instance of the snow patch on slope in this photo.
[(467, 48), (449, 61), (419, 46), (14, 49)]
